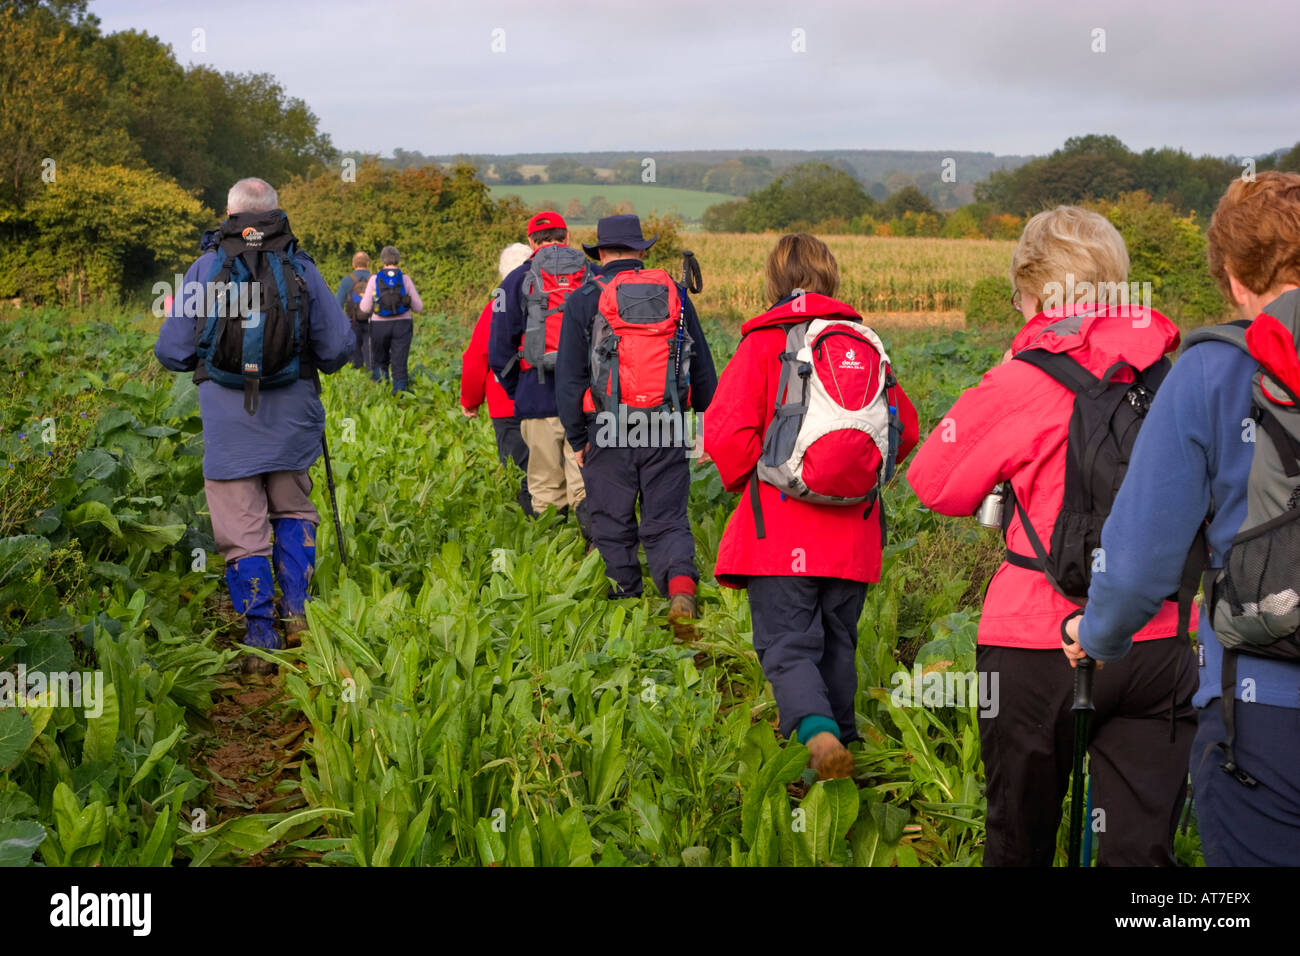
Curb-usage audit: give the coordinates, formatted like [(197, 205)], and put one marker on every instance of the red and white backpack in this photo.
[(554, 273), (836, 430), (640, 349)]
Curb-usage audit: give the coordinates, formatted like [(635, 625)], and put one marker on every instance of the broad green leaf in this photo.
[(16, 733), (18, 841), (101, 731)]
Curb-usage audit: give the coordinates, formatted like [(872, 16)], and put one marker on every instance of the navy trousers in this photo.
[(1240, 825), (512, 447), (806, 638), (615, 478)]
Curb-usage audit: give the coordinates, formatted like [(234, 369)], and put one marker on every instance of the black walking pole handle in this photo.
[(1083, 669)]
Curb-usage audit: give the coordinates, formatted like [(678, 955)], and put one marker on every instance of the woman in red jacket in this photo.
[(806, 574), (477, 382), (1014, 427)]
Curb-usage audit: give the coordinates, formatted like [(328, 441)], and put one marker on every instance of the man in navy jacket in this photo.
[(255, 466), (618, 468), (554, 478)]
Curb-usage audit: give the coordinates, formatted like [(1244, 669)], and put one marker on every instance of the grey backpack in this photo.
[(1255, 598), (554, 273)]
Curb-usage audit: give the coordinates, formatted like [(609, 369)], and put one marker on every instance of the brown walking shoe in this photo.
[(830, 758), (682, 610)]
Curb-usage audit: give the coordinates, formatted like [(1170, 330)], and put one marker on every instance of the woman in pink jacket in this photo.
[(1013, 427)]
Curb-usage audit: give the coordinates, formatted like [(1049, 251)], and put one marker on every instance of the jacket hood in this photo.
[(812, 305), (1098, 338)]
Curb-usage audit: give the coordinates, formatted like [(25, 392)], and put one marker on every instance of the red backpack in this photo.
[(640, 349), (554, 273)]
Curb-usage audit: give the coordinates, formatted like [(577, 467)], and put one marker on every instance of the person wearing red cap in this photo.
[(554, 477)]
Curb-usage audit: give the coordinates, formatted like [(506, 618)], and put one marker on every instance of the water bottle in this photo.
[(990, 509)]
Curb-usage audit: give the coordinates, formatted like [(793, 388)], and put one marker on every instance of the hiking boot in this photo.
[(293, 630), (251, 589), (682, 611), (252, 666), (830, 758), (294, 554)]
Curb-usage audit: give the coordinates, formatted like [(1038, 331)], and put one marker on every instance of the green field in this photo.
[(466, 694), (645, 198)]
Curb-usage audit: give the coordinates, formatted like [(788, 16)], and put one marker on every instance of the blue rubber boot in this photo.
[(294, 553), (252, 591), (401, 386)]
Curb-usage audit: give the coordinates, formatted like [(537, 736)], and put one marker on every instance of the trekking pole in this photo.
[(1086, 858), (334, 502), (1083, 709)]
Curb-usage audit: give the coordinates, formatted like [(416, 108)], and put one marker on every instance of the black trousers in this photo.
[(390, 344), (512, 447), (615, 479), (806, 638), (1139, 775), (361, 354)]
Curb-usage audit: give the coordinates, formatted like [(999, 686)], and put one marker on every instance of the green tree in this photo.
[(99, 231), (908, 199), (810, 193), (446, 225), (562, 169)]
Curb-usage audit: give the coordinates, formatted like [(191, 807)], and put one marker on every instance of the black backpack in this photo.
[(1103, 429), (253, 328)]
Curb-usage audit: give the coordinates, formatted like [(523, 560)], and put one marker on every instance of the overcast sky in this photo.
[(1007, 77)]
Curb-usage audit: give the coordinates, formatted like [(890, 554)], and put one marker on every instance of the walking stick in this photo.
[(334, 503), (1083, 710)]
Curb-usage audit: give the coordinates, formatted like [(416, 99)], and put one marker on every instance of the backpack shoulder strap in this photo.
[(1062, 368), (1230, 333)]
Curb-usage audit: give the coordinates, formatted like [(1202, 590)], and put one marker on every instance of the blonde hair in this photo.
[(801, 261), (1066, 247), (512, 257)]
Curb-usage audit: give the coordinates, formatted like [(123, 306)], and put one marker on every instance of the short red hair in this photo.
[(1255, 233)]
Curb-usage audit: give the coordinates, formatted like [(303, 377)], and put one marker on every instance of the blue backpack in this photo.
[(390, 292), (253, 326)]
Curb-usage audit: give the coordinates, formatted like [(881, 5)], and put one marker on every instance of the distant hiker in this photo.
[(259, 400), (391, 299), (807, 424), (477, 382), (632, 362), (1223, 440), (522, 340), (1030, 423), (351, 286)]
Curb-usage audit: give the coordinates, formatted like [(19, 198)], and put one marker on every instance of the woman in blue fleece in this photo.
[(1192, 460), (255, 466)]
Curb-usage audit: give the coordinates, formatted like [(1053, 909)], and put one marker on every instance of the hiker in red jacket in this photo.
[(805, 565), (1014, 427), (478, 382)]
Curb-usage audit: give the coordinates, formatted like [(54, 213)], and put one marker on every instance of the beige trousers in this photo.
[(242, 510), (553, 474)]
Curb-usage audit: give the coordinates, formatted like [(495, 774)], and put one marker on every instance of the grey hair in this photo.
[(251, 195), (389, 255), (513, 256)]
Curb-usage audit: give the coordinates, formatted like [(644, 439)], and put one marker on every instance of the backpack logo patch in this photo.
[(252, 237), (851, 360)]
